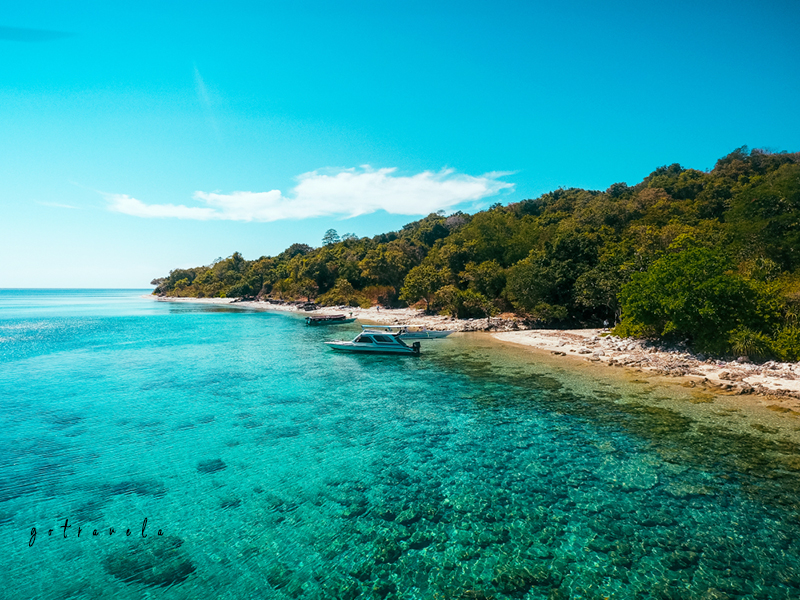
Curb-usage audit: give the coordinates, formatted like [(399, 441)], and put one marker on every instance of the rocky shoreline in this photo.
[(740, 376), (779, 381)]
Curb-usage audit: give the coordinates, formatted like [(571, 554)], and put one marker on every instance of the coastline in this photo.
[(382, 316), (773, 385), (778, 381)]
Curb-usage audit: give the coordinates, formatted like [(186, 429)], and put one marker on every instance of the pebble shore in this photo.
[(740, 376)]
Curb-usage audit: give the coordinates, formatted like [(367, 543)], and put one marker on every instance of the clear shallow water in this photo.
[(278, 469)]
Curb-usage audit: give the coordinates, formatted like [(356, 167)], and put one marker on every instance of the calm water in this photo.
[(276, 468)]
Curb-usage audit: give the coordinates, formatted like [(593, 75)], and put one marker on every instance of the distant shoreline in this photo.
[(769, 382)]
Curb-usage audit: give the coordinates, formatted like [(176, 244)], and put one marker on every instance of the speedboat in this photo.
[(406, 333), (327, 319), (377, 342)]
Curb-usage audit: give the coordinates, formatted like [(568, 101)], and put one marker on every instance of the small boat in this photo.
[(409, 334), (327, 319), (377, 342)]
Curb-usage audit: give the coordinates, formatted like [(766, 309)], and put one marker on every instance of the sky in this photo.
[(139, 138)]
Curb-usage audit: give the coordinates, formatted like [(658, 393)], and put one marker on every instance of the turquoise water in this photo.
[(276, 468)]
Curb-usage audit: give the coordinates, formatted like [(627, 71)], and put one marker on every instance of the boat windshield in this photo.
[(363, 339)]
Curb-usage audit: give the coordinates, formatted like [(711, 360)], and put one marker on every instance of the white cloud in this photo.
[(131, 206), (346, 193)]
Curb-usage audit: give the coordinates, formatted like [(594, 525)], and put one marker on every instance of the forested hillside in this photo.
[(710, 257)]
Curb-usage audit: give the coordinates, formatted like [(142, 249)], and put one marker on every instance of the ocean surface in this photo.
[(269, 466)]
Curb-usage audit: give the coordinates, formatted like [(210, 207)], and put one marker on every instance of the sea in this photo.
[(175, 450)]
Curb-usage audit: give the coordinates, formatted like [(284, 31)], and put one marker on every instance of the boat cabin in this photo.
[(377, 338), (372, 342)]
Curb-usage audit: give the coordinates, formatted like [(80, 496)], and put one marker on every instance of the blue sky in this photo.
[(136, 139)]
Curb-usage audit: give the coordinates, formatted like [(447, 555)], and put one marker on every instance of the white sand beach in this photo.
[(772, 383)]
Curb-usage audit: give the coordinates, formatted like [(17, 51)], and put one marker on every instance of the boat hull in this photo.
[(328, 321), (372, 349)]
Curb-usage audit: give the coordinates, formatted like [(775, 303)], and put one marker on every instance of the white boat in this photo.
[(376, 342), (406, 333)]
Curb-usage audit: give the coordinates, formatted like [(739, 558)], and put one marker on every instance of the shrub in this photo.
[(693, 295), (753, 344), (787, 344), (343, 292), (379, 294)]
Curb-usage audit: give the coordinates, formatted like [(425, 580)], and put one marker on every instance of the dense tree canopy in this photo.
[(711, 257), (695, 295)]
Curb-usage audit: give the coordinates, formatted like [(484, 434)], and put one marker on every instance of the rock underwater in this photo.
[(156, 563)]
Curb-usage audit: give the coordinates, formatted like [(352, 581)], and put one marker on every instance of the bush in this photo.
[(549, 313), (343, 293), (787, 344), (627, 328), (463, 304), (447, 300), (693, 295), (753, 344), (379, 294), (476, 305)]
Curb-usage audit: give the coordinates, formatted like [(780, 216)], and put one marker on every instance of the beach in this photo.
[(771, 383)]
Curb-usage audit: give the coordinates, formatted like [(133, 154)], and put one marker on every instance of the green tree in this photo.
[(487, 278), (598, 288), (342, 293), (422, 282), (547, 277), (693, 295), (388, 264), (766, 216), (283, 287), (330, 237), (448, 300), (475, 304), (308, 288)]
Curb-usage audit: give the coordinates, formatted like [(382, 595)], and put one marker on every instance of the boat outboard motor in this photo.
[(416, 346)]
